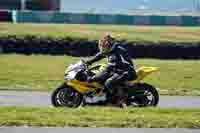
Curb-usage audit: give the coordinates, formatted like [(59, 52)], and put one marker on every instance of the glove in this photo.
[(88, 63)]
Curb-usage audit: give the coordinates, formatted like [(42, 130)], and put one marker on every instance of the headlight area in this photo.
[(70, 75), (79, 75)]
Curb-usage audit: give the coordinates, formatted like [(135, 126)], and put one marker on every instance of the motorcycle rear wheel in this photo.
[(66, 96), (143, 95)]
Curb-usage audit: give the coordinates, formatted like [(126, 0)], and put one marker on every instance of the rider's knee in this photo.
[(109, 84)]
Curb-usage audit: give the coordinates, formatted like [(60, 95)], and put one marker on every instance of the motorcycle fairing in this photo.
[(84, 87), (142, 72)]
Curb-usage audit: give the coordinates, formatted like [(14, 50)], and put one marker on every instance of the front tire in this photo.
[(66, 96), (143, 95)]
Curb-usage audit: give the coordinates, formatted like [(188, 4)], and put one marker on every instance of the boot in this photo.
[(122, 102)]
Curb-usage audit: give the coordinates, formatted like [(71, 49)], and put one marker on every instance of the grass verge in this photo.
[(100, 117), (42, 72), (91, 32)]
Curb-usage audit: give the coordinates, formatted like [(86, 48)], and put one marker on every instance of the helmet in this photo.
[(106, 43)]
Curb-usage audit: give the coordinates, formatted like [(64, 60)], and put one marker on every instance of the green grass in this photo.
[(40, 72), (131, 33), (100, 117)]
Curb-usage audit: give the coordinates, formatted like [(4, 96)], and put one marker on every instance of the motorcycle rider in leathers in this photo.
[(119, 69)]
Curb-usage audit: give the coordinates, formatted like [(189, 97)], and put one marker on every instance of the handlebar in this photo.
[(85, 64)]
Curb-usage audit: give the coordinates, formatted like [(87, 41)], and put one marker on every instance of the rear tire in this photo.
[(140, 93), (66, 96)]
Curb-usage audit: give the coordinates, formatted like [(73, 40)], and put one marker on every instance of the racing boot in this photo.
[(122, 99)]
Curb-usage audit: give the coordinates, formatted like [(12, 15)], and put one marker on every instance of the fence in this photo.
[(81, 18), (85, 18)]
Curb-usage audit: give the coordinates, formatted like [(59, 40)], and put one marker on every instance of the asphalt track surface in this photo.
[(42, 99), (95, 130)]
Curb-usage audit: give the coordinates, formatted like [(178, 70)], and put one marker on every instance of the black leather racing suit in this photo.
[(119, 69)]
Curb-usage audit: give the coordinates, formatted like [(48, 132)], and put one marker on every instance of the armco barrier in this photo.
[(86, 18), (81, 47)]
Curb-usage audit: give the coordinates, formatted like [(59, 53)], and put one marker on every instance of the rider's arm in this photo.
[(105, 73), (97, 57)]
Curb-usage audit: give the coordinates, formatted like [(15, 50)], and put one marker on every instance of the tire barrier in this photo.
[(5, 16), (46, 45), (1, 49), (82, 47)]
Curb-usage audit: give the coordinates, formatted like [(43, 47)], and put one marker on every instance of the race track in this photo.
[(40, 99)]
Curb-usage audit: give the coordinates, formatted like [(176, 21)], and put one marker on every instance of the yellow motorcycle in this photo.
[(76, 91)]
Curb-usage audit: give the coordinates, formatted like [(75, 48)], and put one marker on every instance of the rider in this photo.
[(119, 69)]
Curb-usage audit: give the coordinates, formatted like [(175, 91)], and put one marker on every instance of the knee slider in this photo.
[(108, 84)]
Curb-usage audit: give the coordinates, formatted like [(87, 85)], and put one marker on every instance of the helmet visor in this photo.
[(104, 46)]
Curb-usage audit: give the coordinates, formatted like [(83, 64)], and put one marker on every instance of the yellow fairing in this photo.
[(100, 69), (83, 86), (142, 72)]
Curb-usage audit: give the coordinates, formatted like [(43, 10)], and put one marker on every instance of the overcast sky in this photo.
[(123, 6)]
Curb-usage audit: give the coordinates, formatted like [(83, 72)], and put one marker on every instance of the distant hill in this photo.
[(129, 6)]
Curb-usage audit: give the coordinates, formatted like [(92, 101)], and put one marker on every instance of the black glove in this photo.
[(88, 63)]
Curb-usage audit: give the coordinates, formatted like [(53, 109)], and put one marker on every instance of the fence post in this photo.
[(14, 16)]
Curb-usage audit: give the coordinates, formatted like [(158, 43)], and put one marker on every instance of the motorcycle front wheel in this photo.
[(66, 96)]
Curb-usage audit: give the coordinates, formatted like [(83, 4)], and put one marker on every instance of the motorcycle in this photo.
[(76, 91)]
